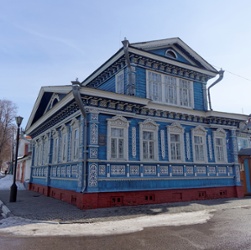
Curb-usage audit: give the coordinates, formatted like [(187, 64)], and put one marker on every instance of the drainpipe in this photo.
[(221, 74), (131, 84), (75, 90)]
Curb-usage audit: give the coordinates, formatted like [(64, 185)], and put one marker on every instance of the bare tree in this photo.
[(8, 112)]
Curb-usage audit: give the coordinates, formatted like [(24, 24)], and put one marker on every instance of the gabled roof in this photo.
[(43, 99), (197, 64), (174, 42)]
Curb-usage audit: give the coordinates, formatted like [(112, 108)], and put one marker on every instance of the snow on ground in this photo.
[(20, 226), (25, 227), (6, 182)]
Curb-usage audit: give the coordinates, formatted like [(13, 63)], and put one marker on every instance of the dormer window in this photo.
[(170, 53)]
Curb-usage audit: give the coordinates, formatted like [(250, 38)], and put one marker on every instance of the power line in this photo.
[(234, 74)]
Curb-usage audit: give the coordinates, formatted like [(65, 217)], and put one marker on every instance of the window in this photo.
[(176, 142), (55, 147), (148, 145), (154, 86), (45, 150), (243, 142), (185, 93), (199, 144), (75, 143), (64, 147), (198, 148), (117, 143), (38, 152), (220, 146), (64, 144), (117, 134), (169, 89), (120, 83), (75, 140), (149, 140), (175, 147), (171, 53)]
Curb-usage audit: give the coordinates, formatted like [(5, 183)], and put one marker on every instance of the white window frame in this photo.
[(55, 148), (176, 129), (149, 126), (38, 152), (222, 135), (64, 143), (169, 89), (46, 147), (36, 157), (117, 122), (200, 132), (75, 142), (120, 83)]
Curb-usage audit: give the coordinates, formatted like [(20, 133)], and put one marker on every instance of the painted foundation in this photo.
[(134, 198)]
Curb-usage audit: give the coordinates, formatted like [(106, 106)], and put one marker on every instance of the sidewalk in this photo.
[(32, 205)]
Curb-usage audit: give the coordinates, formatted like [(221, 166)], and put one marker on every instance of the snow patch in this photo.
[(7, 181), (25, 227)]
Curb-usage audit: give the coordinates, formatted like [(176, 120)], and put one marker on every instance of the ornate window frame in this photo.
[(55, 147), (75, 139), (117, 122), (220, 149), (120, 83), (200, 133), (149, 126), (64, 143), (38, 143), (171, 54), (176, 129), (46, 148)]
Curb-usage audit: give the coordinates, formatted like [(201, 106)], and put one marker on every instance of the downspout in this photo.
[(221, 75), (75, 90), (131, 86)]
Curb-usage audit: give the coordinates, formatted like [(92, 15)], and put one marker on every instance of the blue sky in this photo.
[(51, 42)]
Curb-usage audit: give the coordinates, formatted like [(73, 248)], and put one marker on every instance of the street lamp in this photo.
[(13, 188)]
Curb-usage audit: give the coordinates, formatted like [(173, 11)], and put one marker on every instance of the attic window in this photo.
[(54, 100), (170, 53)]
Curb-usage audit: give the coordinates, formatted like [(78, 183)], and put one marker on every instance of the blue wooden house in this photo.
[(138, 130)]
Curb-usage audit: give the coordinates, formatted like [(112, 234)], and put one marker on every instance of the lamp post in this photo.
[(13, 188)]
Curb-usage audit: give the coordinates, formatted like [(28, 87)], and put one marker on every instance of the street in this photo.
[(227, 229)]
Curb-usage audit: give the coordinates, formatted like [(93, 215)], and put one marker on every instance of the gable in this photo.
[(184, 52), (171, 53), (47, 98), (55, 98)]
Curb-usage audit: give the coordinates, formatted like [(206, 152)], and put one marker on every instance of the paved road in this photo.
[(229, 229)]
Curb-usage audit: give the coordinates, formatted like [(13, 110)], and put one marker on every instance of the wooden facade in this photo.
[(141, 132)]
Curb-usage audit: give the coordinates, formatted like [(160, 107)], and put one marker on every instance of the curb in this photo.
[(5, 211)]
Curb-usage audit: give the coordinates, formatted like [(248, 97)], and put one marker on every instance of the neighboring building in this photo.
[(137, 131), (245, 173), (24, 159), (244, 152)]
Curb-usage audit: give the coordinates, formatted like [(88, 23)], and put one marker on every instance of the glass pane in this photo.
[(113, 148), (151, 150), (121, 148), (145, 150)]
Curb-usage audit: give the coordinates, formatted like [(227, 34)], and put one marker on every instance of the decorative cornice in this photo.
[(138, 108), (168, 68)]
